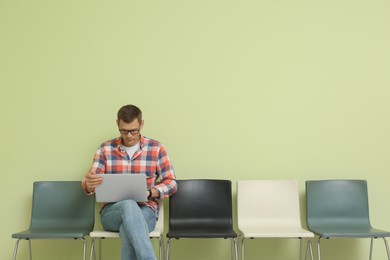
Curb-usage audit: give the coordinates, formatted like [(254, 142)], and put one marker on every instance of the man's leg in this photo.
[(134, 225)]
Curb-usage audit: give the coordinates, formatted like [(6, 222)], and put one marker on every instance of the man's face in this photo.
[(130, 132)]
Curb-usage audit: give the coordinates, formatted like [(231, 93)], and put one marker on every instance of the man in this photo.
[(132, 153)]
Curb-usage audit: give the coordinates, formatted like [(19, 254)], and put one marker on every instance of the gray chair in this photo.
[(60, 210), (339, 209)]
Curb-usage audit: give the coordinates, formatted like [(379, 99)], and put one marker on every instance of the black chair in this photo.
[(60, 209), (202, 209)]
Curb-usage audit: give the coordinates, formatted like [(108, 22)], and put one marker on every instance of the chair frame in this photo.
[(309, 247), (234, 246)]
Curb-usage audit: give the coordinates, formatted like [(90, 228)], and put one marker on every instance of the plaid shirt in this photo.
[(151, 159)]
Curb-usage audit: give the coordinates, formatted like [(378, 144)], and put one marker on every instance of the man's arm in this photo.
[(168, 185), (91, 179)]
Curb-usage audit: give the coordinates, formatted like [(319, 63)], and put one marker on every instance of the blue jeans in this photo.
[(134, 224)]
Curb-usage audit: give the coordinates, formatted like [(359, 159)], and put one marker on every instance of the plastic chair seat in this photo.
[(109, 234), (275, 232), (203, 233), (349, 232), (52, 233)]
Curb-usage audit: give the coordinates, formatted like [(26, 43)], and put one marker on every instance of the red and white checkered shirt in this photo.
[(150, 159)]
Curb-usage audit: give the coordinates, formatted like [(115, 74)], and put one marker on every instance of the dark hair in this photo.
[(128, 113)]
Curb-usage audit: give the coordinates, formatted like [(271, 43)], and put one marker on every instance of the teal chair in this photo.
[(60, 210), (339, 209)]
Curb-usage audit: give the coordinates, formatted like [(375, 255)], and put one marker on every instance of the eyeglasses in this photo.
[(132, 131)]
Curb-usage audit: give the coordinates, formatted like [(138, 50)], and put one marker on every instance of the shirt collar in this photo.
[(118, 141)]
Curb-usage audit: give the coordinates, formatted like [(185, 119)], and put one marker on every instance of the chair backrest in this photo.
[(201, 204), (160, 222), (337, 203), (61, 205), (268, 202)]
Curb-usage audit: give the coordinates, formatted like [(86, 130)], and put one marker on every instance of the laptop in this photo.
[(117, 187)]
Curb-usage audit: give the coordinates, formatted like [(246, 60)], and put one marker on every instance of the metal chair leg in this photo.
[(242, 248), (311, 249), (100, 248), (84, 248), (235, 248), (387, 248), (92, 255), (231, 249), (371, 245), (319, 248), (160, 247), (16, 249), (300, 248), (168, 248), (29, 248)]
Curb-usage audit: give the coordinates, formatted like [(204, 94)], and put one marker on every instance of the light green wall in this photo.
[(234, 89)]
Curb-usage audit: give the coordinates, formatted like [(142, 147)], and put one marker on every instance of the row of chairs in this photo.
[(203, 209)]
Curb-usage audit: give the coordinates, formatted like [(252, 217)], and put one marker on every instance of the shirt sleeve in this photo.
[(99, 165), (99, 161), (168, 184)]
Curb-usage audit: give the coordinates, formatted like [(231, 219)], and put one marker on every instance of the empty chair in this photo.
[(156, 233), (270, 209), (202, 209), (60, 209), (339, 209)]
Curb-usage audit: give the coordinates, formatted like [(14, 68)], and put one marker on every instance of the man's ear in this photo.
[(117, 122), (142, 124)]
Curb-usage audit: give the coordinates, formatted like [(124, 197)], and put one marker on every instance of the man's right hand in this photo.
[(92, 180)]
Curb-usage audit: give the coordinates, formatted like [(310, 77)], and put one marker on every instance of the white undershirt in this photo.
[(130, 150)]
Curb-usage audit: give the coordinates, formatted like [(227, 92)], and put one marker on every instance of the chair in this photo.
[(270, 209), (60, 209), (201, 209), (156, 233), (339, 209)]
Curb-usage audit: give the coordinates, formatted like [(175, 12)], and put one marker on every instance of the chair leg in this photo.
[(300, 248), (242, 248), (307, 249), (235, 248), (231, 249), (310, 248), (168, 248), (84, 248), (29, 248), (92, 255), (100, 248), (387, 248), (319, 248), (16, 249), (371, 245), (161, 247)]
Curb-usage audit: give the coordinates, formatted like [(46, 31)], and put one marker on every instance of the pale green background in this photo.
[(265, 89)]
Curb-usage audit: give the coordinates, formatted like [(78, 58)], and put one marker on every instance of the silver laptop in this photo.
[(117, 187)]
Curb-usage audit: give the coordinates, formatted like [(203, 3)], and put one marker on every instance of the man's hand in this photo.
[(92, 180)]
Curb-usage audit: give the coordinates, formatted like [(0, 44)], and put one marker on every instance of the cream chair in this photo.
[(270, 209), (156, 233)]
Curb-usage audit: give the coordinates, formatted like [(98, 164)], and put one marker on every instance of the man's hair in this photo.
[(128, 113)]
